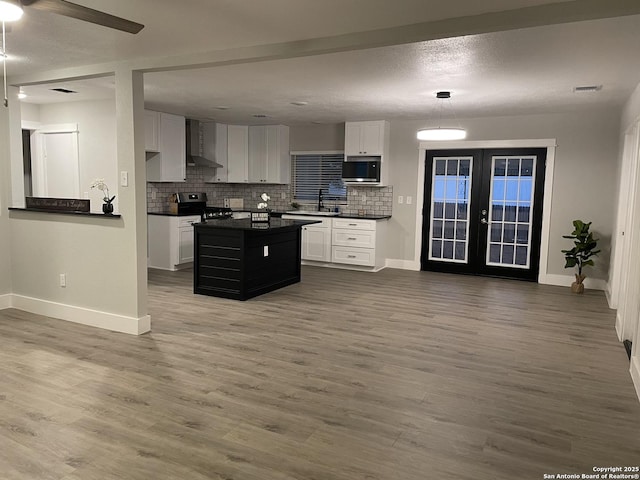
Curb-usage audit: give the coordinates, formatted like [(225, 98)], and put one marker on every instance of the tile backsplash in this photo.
[(371, 200)]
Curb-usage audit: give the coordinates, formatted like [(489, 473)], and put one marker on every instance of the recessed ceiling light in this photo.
[(317, 123), (299, 103), (259, 115), (587, 88), (221, 108)]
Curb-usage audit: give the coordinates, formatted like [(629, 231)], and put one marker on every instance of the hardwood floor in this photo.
[(347, 375)]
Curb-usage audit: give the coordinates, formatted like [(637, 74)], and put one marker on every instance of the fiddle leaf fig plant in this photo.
[(584, 247)]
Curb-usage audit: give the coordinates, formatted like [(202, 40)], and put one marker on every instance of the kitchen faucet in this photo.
[(320, 198)]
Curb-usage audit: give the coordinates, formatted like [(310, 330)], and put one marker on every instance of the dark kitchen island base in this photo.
[(238, 259)]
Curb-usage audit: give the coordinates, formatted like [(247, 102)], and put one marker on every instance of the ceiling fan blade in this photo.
[(68, 9)]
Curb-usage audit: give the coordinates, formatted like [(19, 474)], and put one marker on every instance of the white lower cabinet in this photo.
[(354, 242), (170, 241), (344, 241)]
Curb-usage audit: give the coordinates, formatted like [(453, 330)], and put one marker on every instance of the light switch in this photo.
[(408, 200), (265, 252), (124, 179), (400, 199)]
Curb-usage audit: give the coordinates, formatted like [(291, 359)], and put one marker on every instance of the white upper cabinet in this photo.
[(269, 158), (238, 153), (366, 138), (151, 131), (215, 147), (169, 164)]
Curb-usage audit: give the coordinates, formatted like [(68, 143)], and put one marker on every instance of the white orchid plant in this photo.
[(100, 185), (265, 198)]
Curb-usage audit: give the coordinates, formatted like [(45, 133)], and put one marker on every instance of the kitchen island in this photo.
[(239, 259)]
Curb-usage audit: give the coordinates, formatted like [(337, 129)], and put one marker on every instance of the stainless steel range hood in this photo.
[(193, 147)]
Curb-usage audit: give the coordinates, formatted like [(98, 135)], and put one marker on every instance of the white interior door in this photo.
[(56, 171)]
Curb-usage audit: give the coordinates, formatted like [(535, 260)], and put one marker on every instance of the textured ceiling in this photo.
[(530, 70)]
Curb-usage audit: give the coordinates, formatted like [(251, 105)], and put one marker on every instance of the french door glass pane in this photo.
[(451, 194), (509, 237)]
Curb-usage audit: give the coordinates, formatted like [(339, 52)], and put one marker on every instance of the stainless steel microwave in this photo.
[(361, 170)]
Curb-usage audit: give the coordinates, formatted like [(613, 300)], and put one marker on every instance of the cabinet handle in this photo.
[(353, 224), (351, 238), (351, 256)]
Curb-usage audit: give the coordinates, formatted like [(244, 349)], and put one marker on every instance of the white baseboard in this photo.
[(5, 301), (84, 316), (567, 280), (635, 373), (619, 328), (403, 264), (607, 293)]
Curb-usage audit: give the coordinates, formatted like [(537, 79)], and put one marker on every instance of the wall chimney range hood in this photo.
[(193, 147)]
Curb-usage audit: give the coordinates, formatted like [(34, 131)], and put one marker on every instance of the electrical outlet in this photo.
[(408, 200), (124, 179), (364, 198), (153, 194), (86, 195), (400, 199), (63, 280), (283, 196), (265, 251)]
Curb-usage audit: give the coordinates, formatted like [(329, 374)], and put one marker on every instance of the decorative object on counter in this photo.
[(443, 133), (581, 253), (262, 217), (58, 204), (107, 206), (295, 205)]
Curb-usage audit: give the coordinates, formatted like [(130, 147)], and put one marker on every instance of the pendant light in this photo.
[(10, 10), (442, 133)]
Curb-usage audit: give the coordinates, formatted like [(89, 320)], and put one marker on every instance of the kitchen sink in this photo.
[(313, 214)]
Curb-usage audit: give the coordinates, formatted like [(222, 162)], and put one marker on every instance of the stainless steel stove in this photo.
[(196, 204)]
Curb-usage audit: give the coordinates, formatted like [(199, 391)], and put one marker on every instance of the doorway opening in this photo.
[(482, 211)]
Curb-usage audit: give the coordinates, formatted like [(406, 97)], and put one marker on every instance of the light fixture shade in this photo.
[(441, 133), (10, 10)]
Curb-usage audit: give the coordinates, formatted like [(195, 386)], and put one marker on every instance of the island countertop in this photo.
[(247, 224)]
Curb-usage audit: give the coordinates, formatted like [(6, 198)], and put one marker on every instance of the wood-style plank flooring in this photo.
[(347, 375)]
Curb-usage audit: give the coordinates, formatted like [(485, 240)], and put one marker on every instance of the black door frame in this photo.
[(479, 199)]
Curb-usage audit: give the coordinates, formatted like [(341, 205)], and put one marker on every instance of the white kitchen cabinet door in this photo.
[(170, 163), (151, 131), (278, 156), (214, 147), (258, 154), (365, 138), (316, 244), (185, 245), (238, 157)]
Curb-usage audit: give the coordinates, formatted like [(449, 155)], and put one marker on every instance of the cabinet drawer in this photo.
[(354, 256), (354, 224), (189, 221), (354, 238)]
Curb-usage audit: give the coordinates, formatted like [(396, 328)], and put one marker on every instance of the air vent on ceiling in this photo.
[(587, 88), (260, 115), (62, 90)]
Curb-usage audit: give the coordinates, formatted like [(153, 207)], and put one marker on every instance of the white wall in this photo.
[(586, 162), (96, 142), (5, 245), (316, 137), (104, 259)]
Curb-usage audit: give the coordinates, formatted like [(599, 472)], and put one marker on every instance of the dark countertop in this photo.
[(340, 215), (246, 224), (167, 213)]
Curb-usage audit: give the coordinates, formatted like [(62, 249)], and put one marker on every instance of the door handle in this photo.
[(484, 221)]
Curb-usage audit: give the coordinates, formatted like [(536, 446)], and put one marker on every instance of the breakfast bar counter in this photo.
[(238, 259)]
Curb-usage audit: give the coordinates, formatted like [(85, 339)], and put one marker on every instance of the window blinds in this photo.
[(312, 172)]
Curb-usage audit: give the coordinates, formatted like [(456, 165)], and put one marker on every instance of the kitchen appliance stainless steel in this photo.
[(195, 203), (361, 170), (193, 147)]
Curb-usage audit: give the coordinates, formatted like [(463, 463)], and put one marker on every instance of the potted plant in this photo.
[(581, 253)]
